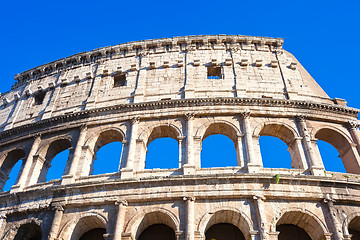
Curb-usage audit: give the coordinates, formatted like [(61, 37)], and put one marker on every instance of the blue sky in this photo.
[(323, 35)]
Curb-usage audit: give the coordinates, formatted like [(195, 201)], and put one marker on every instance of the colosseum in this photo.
[(184, 88)]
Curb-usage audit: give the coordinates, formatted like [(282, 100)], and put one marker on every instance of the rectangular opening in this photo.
[(119, 80), (214, 72), (39, 97)]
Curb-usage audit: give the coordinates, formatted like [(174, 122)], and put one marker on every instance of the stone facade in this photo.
[(185, 88)]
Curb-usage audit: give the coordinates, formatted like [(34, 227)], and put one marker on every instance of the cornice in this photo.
[(140, 48), (195, 102)]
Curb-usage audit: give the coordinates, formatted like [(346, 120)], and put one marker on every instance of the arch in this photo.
[(97, 141), (76, 228), (146, 218), (12, 229), (302, 218), (159, 131), (348, 222), (226, 215), (289, 136), (7, 162), (218, 127), (343, 144), (158, 232)]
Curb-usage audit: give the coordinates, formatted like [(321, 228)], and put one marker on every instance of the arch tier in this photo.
[(185, 88)]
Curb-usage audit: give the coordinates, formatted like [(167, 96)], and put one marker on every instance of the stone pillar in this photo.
[(26, 170), (253, 164), (189, 166), (70, 178), (59, 210), (297, 154), (239, 151), (353, 129), (190, 216), (127, 172), (329, 203), (181, 140), (316, 165), (261, 216), (120, 218), (2, 224)]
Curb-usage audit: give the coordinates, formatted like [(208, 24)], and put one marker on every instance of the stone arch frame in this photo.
[(135, 225), (67, 230), (94, 142), (347, 221), (232, 131), (289, 135), (156, 131), (7, 163), (12, 228), (232, 216), (312, 224), (342, 142), (46, 153)]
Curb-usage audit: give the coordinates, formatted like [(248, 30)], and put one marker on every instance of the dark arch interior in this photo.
[(224, 231), (94, 234), (293, 232), (158, 232), (29, 231), (354, 228), (223, 155)]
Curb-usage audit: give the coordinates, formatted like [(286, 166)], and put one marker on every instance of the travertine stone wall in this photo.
[(259, 90)]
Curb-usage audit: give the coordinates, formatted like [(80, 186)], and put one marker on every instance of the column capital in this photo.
[(58, 206), (188, 198), (135, 120), (83, 127), (353, 125), (246, 114), (259, 198), (122, 202), (189, 116), (37, 136), (300, 118)]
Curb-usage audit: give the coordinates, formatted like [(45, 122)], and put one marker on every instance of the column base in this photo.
[(189, 169), (317, 171), (67, 179), (252, 168), (273, 235), (126, 173)]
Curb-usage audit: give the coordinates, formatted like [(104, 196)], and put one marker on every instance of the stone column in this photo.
[(297, 154), (59, 210), (189, 166), (120, 219), (2, 224), (316, 165), (253, 164), (329, 203), (26, 170), (181, 140), (127, 172), (261, 216), (190, 216), (70, 178), (239, 151), (353, 129)]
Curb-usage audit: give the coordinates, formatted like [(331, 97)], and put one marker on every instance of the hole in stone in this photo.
[(39, 97), (119, 80), (214, 72)]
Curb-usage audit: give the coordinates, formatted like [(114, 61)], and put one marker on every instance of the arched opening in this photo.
[(89, 228), (58, 163), (107, 152), (279, 147), (354, 228), (220, 146), (94, 234), (300, 225), (330, 156), (274, 153), (29, 231), (293, 232), (158, 232), (55, 148), (152, 221), (13, 176), (10, 168), (162, 153), (162, 148), (224, 231), (344, 147), (108, 158), (218, 151)]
